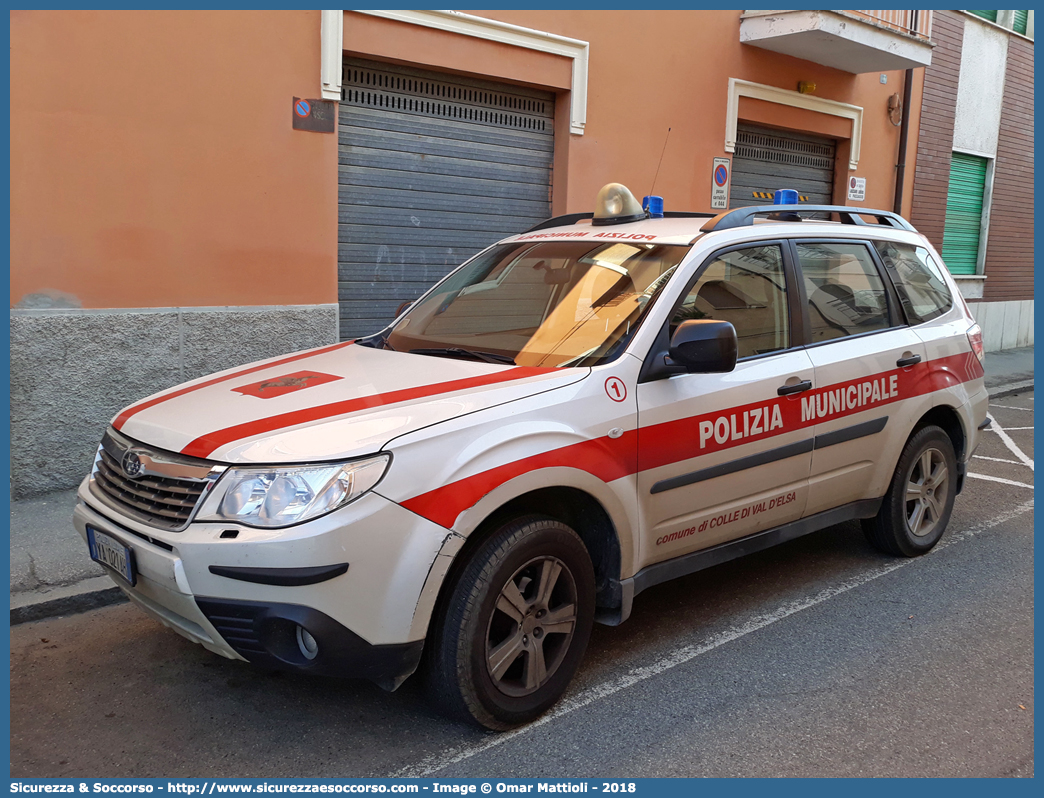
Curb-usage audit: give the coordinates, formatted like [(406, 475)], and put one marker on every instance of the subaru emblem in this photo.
[(132, 466)]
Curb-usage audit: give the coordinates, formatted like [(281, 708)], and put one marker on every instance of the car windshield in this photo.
[(549, 304)]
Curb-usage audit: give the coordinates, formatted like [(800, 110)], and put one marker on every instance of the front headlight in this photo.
[(276, 496)]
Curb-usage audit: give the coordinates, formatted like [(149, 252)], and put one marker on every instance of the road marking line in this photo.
[(995, 459), (1015, 450), (1012, 429), (998, 479), (452, 756), (1012, 407)]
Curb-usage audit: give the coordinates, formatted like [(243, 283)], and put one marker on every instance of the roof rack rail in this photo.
[(744, 217), (560, 221), (573, 218)]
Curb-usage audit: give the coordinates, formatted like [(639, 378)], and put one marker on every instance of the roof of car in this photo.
[(685, 228)]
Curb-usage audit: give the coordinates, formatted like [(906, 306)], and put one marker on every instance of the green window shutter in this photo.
[(964, 213), (991, 15), (1021, 18)]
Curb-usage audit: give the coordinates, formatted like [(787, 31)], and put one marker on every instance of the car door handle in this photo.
[(903, 362), (797, 387)]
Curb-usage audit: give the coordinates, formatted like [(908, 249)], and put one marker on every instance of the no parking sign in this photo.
[(720, 183)]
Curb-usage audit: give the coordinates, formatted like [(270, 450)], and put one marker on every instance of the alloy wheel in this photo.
[(926, 492), (531, 626)]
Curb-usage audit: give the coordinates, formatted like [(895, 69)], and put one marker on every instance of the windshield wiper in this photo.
[(456, 351)]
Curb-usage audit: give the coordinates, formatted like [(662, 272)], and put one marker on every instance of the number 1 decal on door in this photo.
[(616, 389)]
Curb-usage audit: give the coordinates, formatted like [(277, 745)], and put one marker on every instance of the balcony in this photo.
[(852, 41)]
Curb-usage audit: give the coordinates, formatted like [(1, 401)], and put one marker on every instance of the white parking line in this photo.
[(1012, 407), (998, 479), (452, 756), (1012, 447), (1012, 429), (995, 459)]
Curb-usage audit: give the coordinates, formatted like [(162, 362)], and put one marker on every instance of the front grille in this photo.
[(166, 500)]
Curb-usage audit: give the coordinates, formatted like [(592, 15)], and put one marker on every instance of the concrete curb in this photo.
[(70, 600), (1009, 389)]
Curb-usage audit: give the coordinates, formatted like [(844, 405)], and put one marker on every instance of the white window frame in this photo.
[(332, 34), (773, 94)]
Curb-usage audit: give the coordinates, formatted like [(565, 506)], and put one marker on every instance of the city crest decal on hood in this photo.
[(288, 383)]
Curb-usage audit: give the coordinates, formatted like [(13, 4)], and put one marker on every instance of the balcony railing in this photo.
[(912, 23)]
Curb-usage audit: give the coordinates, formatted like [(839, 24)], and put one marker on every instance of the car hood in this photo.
[(331, 403)]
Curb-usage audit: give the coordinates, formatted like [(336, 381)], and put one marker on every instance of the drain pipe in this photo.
[(904, 132)]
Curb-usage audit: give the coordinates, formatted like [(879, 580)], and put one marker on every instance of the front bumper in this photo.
[(266, 635), (364, 619)]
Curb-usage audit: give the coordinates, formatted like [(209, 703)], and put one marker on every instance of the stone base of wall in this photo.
[(73, 369), (1005, 325)]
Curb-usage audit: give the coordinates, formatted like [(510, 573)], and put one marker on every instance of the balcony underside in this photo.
[(834, 40)]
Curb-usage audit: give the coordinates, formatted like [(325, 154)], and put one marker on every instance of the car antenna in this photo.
[(657, 174)]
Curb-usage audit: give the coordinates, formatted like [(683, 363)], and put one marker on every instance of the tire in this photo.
[(914, 515), (485, 658)]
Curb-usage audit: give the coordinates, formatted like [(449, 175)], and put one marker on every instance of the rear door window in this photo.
[(918, 280), (846, 295)]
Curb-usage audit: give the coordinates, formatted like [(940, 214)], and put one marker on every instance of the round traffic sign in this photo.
[(302, 108), (721, 175)]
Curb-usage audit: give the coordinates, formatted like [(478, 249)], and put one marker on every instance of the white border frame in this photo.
[(465, 25), (759, 91)]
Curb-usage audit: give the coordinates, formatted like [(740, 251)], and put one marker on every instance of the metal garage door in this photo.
[(766, 160), (432, 168)]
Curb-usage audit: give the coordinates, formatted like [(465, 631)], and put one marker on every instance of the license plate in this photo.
[(111, 553)]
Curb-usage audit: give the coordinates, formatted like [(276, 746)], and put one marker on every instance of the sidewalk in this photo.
[(51, 573)]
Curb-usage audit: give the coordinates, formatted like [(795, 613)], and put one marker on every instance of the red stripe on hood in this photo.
[(121, 419), (206, 444)]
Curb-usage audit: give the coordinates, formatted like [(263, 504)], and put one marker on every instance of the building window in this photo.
[(964, 206)]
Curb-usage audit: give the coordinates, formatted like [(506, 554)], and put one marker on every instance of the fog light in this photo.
[(308, 645)]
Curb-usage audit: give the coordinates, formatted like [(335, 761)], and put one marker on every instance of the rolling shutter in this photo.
[(964, 213), (766, 160), (1021, 21), (990, 14), (432, 168)]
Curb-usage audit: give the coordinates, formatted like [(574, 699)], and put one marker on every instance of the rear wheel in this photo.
[(515, 627), (920, 497)]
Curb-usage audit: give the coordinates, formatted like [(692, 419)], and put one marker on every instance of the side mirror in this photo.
[(704, 346), (403, 307)]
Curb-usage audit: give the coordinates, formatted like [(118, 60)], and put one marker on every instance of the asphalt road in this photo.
[(818, 658)]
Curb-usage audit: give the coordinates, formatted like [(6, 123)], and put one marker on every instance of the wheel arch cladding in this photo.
[(574, 507), (945, 417)]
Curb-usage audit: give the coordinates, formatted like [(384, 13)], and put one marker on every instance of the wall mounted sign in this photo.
[(720, 184), (314, 115), (857, 188)]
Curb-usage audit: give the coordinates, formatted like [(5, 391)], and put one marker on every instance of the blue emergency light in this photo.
[(785, 196), (654, 205)]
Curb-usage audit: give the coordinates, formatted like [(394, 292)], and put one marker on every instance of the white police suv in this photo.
[(579, 412)]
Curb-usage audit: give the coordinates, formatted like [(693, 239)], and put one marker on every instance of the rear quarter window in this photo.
[(918, 280)]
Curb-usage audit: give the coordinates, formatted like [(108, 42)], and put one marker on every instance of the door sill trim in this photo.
[(724, 552)]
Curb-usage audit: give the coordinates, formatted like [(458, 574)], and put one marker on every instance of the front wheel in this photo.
[(920, 497), (515, 625)]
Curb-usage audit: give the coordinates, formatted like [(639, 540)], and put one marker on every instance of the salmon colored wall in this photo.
[(153, 161), (650, 70), (154, 165)]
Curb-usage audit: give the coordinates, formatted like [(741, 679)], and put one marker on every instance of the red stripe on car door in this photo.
[(672, 441)]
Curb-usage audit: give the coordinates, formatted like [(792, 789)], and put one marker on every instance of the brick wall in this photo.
[(932, 175), (1009, 249)]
